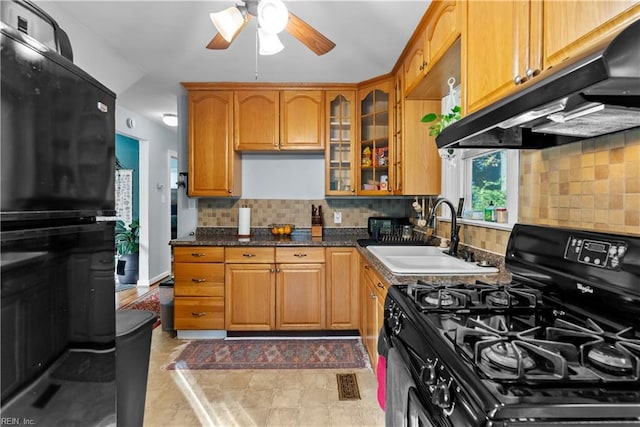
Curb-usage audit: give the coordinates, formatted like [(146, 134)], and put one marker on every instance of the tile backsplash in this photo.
[(592, 184), (224, 212)]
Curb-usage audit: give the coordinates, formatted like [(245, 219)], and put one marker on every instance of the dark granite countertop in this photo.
[(214, 236)]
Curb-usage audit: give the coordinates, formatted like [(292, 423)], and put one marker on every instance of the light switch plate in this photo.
[(337, 217)]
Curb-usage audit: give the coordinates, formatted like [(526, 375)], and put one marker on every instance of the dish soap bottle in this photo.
[(490, 212)]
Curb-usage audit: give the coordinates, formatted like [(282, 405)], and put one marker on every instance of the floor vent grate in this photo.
[(348, 387)]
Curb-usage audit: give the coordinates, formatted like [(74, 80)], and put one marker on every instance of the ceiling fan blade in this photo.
[(219, 42), (308, 35)]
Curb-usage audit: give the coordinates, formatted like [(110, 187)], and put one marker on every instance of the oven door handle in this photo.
[(427, 370)]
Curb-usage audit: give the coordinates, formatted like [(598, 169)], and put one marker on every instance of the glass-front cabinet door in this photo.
[(374, 155), (340, 152)]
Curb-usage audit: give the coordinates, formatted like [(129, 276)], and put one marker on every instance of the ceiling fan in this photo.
[(273, 17)]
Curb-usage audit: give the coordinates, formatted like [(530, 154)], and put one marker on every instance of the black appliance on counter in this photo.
[(559, 345), (388, 230), (57, 257)]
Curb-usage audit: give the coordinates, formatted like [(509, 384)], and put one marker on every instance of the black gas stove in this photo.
[(559, 344)]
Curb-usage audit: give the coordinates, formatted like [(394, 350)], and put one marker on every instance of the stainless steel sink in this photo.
[(425, 260)]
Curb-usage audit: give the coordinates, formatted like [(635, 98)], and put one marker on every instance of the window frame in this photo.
[(456, 183)]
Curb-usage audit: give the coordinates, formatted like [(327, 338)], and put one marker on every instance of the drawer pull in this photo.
[(247, 255), (197, 254), (300, 255), (198, 280), (380, 285), (366, 267), (199, 314)]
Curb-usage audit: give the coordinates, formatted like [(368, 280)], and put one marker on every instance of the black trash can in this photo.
[(133, 346), (166, 305)]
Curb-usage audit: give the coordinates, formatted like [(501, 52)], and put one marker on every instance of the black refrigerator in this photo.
[(57, 254)]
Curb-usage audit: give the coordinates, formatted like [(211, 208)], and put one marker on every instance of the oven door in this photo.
[(405, 403)]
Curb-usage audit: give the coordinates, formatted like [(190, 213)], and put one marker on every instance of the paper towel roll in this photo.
[(244, 221)]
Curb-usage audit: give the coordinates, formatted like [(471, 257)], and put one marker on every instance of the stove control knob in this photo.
[(396, 323), (441, 395), (428, 373)]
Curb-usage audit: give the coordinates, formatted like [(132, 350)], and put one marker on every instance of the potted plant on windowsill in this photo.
[(127, 248)]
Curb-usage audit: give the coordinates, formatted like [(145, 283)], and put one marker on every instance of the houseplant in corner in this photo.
[(127, 247)]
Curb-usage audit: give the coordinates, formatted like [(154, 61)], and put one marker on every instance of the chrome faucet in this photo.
[(431, 222)]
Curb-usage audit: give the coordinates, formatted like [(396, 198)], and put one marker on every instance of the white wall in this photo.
[(155, 198), (99, 60)]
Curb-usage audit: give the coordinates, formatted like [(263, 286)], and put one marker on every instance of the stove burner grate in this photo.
[(564, 351)]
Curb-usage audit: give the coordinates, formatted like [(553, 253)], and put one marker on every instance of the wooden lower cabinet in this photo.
[(250, 297), (343, 311), (275, 289), (300, 297), (198, 288), (199, 313), (373, 294)]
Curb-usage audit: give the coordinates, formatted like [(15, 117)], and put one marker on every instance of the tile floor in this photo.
[(252, 397)]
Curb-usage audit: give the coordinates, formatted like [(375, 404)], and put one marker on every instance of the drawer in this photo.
[(198, 313), (250, 255), (195, 279), (198, 254), (299, 255)]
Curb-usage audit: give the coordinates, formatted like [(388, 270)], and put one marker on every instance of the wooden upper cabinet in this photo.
[(340, 150), (503, 41), (415, 61), (375, 153), (268, 120), (302, 120), (511, 43), (591, 22), (214, 167), (436, 34), (443, 29), (256, 123)]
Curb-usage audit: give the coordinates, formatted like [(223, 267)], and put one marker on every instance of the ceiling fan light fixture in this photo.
[(270, 44), (228, 22), (273, 16)]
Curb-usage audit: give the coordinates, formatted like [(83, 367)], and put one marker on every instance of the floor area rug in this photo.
[(149, 301), (272, 354)]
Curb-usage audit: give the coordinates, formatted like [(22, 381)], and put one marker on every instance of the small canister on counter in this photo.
[(501, 215)]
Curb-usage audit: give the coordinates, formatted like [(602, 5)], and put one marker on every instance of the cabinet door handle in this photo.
[(277, 270), (372, 295), (248, 255), (198, 280), (518, 80), (300, 255), (366, 267), (197, 254), (198, 314), (532, 72), (380, 285), (271, 270)]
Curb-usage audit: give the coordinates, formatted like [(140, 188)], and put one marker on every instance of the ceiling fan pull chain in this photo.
[(257, 47)]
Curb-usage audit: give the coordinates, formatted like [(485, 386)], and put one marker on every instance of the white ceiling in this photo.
[(164, 41)]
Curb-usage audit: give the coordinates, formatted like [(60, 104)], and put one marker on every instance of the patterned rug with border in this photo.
[(278, 353), (149, 301)]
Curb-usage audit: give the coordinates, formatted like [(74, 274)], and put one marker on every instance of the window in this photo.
[(482, 177)]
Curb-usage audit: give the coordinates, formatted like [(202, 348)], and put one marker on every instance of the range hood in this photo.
[(595, 95)]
